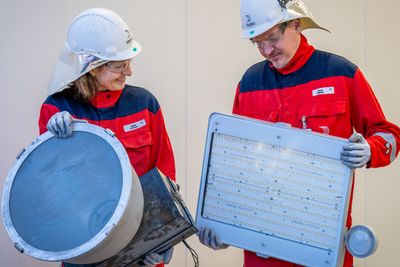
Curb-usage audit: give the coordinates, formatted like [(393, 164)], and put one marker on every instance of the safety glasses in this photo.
[(273, 39), (118, 67)]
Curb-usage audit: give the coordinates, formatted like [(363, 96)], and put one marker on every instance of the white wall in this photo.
[(192, 58)]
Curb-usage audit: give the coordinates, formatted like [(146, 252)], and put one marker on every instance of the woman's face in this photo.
[(112, 75)]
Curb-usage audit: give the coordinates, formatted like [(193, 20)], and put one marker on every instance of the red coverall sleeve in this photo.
[(369, 120), (46, 111), (162, 155), (235, 109)]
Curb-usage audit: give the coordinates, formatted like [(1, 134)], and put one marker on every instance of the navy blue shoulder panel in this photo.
[(65, 102), (258, 77), (135, 99), (132, 100), (321, 65)]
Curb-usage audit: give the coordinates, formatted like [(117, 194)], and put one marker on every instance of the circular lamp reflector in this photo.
[(74, 199)]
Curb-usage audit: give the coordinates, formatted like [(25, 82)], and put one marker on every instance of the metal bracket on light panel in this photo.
[(361, 241), (283, 191)]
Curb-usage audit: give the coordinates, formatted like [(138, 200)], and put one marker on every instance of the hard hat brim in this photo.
[(69, 67), (306, 23), (294, 10)]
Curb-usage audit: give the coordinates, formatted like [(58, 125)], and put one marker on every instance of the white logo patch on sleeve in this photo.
[(135, 125), (324, 91)]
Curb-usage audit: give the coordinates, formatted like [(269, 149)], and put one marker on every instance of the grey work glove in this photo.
[(153, 258), (209, 238), (358, 153), (60, 124)]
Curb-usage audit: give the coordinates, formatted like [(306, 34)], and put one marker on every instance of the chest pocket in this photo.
[(138, 146), (263, 105), (327, 117), (271, 116)]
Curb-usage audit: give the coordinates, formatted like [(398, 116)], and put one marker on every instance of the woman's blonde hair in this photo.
[(84, 89)]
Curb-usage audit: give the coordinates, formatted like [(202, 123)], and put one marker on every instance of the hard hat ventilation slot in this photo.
[(283, 3)]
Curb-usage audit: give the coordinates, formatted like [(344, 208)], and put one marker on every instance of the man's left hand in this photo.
[(358, 153)]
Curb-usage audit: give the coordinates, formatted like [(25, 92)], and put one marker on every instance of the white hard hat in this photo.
[(95, 36), (258, 16)]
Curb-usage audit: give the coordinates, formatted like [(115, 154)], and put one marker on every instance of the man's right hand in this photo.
[(210, 239), (60, 124)]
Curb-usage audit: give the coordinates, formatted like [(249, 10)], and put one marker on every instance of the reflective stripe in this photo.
[(392, 141)]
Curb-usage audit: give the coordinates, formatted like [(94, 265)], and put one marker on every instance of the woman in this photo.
[(89, 83)]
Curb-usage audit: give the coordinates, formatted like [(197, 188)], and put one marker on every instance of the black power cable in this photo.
[(195, 256)]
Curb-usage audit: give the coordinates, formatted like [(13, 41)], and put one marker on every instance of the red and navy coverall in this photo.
[(133, 114), (322, 92)]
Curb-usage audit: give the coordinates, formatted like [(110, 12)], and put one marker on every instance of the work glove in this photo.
[(153, 258), (209, 238), (358, 153), (60, 124)]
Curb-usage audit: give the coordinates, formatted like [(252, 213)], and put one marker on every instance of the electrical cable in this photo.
[(195, 256)]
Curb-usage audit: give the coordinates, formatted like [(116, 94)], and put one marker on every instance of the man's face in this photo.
[(280, 43)]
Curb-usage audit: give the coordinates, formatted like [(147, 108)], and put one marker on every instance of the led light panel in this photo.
[(275, 190)]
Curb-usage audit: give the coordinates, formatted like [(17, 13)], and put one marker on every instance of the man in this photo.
[(309, 89)]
